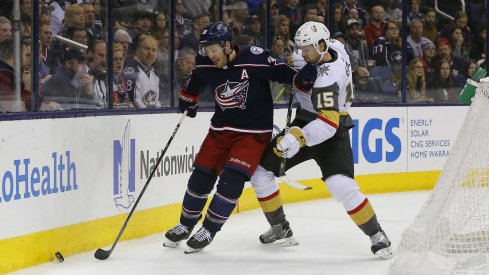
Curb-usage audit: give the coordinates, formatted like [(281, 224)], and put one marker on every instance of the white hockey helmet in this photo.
[(311, 33)]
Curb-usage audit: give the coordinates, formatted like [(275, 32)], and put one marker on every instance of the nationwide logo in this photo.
[(124, 169), (232, 95)]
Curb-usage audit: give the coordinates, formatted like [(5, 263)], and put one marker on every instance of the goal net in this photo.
[(450, 234)]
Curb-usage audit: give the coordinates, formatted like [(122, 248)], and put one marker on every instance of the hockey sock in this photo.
[(272, 208), (200, 184), (356, 204), (218, 212), (365, 218), (229, 189), (192, 206)]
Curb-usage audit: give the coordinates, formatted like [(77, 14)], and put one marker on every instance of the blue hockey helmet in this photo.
[(217, 33)]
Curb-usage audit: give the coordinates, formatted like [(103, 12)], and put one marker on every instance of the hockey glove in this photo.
[(188, 102), (305, 78), (291, 142)]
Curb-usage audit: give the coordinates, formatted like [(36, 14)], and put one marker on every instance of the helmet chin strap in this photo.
[(227, 58), (321, 55)]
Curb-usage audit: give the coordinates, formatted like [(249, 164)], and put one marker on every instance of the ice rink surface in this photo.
[(329, 244)]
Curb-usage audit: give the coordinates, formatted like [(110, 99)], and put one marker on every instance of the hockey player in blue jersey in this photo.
[(320, 132), (240, 130)]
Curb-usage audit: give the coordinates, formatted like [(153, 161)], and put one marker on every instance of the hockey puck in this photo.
[(59, 256)]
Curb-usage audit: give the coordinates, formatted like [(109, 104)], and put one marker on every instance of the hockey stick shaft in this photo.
[(286, 130), (101, 254), (283, 160)]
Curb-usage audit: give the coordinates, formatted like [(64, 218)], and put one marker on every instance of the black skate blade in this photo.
[(286, 242), (190, 250), (170, 244), (384, 253)]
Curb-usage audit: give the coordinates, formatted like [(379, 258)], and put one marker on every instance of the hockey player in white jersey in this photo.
[(319, 131)]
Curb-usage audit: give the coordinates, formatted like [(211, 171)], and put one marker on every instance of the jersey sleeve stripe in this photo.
[(332, 124)]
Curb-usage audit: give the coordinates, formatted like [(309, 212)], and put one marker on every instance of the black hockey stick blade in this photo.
[(101, 254)]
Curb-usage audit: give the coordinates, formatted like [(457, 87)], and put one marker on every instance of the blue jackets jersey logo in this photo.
[(232, 95)]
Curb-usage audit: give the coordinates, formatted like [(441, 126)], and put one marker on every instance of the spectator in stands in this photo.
[(366, 88), (97, 10), (121, 98), (353, 4), (97, 64), (417, 82), (293, 11), (459, 21), (322, 9), (71, 84), (5, 29), (373, 29), (142, 83), (122, 37), (280, 92), (255, 32), (457, 64), (415, 11), (239, 17), (471, 68), (185, 65), (47, 60), (7, 78), (45, 14), (429, 25), (353, 14), (311, 14), (278, 49), (74, 17), (338, 20), (94, 30), (25, 25), (183, 23), (26, 7), (392, 88), (459, 47), (356, 45), (416, 38), (160, 22), (478, 46), (429, 52), (77, 34), (191, 39), (143, 23), (445, 87), (282, 29), (387, 50), (390, 11)]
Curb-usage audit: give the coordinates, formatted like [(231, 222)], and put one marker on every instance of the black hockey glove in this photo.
[(188, 102), (305, 78)]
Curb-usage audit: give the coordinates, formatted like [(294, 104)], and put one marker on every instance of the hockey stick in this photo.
[(283, 160), (101, 254)]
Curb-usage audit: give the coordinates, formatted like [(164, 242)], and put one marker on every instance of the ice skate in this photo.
[(199, 240), (279, 234), (381, 246), (177, 234)]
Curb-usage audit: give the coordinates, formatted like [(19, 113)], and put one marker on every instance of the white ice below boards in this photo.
[(329, 244)]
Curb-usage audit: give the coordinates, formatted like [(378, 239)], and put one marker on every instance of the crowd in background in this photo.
[(441, 53)]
